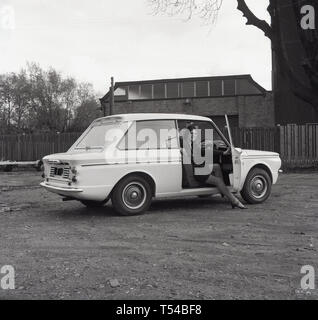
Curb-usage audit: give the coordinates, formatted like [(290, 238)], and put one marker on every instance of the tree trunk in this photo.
[(306, 92)]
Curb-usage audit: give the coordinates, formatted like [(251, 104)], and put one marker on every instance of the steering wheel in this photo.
[(216, 145)]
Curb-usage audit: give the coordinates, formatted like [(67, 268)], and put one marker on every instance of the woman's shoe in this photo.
[(239, 205)]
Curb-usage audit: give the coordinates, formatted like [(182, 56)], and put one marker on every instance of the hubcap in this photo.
[(134, 195), (259, 187)]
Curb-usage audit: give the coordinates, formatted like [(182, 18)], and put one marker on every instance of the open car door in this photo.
[(236, 159)]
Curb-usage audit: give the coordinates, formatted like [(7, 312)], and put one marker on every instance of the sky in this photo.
[(92, 40)]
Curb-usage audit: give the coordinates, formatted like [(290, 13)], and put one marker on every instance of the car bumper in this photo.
[(94, 193), (61, 190)]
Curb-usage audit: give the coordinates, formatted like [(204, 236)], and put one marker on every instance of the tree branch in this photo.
[(253, 20)]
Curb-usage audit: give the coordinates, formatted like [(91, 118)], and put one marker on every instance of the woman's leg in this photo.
[(217, 180), (219, 183), (217, 171)]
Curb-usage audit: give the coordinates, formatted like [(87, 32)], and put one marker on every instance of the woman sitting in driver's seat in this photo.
[(193, 148)]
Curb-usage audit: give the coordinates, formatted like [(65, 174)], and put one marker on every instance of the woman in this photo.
[(213, 177)]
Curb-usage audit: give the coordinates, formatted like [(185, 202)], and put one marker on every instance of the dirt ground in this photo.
[(182, 249)]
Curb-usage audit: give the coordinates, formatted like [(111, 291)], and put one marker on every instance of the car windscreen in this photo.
[(99, 135)]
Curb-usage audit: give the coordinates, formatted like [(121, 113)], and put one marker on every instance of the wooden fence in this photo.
[(35, 146), (297, 145), (266, 139)]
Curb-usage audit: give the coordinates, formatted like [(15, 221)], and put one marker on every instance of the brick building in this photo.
[(245, 102)]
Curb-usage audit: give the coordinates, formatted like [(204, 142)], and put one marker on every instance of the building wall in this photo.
[(256, 111), (253, 111)]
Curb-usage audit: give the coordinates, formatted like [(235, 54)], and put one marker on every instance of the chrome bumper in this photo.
[(60, 189)]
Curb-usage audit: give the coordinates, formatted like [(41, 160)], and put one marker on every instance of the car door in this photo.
[(236, 159), (152, 146), (203, 158)]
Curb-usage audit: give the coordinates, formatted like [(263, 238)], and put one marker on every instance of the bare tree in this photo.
[(309, 39), (6, 102), (205, 9), (208, 9), (37, 100)]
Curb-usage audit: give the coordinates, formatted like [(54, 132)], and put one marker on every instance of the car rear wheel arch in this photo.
[(144, 175), (133, 194)]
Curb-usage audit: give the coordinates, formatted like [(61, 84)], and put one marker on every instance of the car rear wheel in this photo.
[(132, 196), (257, 187)]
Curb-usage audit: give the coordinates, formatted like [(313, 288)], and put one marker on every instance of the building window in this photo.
[(173, 90), (159, 91), (146, 91), (244, 87), (121, 91), (188, 90), (120, 94), (216, 88), (229, 87), (202, 89), (134, 92)]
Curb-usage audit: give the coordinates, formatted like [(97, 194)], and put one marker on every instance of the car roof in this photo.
[(154, 116)]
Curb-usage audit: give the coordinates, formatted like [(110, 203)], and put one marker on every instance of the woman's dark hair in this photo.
[(191, 126)]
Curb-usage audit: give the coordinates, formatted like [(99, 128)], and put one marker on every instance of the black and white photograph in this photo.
[(158, 150)]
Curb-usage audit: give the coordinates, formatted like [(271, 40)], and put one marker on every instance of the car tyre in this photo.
[(39, 166), (132, 196), (257, 187)]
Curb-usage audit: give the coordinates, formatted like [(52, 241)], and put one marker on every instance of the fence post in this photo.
[(277, 139)]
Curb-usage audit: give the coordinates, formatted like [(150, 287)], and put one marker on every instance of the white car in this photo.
[(109, 162)]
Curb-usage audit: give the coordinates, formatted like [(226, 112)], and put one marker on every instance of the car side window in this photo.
[(151, 134), (202, 125)]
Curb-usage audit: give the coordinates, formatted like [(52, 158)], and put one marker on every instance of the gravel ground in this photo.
[(181, 249)]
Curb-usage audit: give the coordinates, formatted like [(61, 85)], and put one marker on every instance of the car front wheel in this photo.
[(257, 187), (132, 196)]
